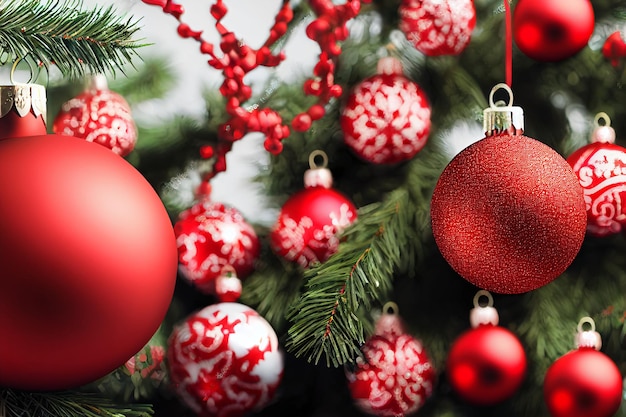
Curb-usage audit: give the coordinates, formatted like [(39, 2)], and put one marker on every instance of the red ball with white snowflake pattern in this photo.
[(601, 170), (308, 225), (211, 236), (386, 119), (225, 361), (98, 115), (437, 27), (395, 376)]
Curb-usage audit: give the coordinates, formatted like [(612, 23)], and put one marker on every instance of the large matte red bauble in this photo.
[(88, 262), (438, 27), (307, 226), (224, 361), (211, 236), (486, 365), (386, 118), (601, 170), (508, 214), (552, 30), (395, 377), (99, 115), (583, 383)]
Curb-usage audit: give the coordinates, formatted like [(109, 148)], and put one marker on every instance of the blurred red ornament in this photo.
[(211, 236), (308, 224), (386, 119), (98, 115), (438, 27), (487, 364), (88, 262), (224, 361), (614, 48), (395, 376), (508, 213), (552, 30), (601, 170), (583, 382)]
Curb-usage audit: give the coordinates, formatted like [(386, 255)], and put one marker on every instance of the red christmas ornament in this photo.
[(88, 262), (386, 119), (98, 115), (508, 213), (552, 30), (487, 364), (601, 170), (614, 48), (307, 226), (583, 382), (395, 376), (438, 27), (211, 236), (224, 361)]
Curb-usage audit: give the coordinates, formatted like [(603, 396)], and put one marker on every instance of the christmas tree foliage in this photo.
[(325, 313)]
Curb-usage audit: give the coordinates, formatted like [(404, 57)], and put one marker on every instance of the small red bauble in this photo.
[(508, 213), (614, 48), (583, 382), (395, 376), (307, 226), (98, 115), (211, 236), (601, 170), (487, 364), (552, 30), (224, 361), (88, 262), (386, 119), (438, 27)]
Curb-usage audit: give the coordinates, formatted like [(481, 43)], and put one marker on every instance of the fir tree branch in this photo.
[(326, 321), (66, 403), (63, 34)]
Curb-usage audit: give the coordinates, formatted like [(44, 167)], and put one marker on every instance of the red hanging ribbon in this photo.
[(509, 45)]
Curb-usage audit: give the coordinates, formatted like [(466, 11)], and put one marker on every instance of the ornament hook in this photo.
[(483, 314), (34, 74), (588, 338), (390, 308), (500, 117), (602, 132), (483, 293), (602, 116), (315, 154)]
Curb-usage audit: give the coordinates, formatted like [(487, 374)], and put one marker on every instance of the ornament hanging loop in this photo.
[(502, 118), (34, 72), (483, 314), (602, 132), (318, 175), (588, 338)]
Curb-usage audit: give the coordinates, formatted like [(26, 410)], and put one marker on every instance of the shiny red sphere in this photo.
[(308, 224), (583, 383), (508, 214), (486, 365), (552, 30), (88, 261)]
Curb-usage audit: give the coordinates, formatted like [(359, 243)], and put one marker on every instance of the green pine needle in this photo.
[(61, 33)]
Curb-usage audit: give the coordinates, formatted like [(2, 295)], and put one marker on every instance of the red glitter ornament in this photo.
[(614, 48), (508, 213), (211, 236), (386, 119), (98, 115), (552, 30), (438, 27), (395, 376), (224, 361), (487, 364), (601, 170), (307, 226), (583, 382)]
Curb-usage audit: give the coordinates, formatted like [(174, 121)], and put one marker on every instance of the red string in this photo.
[(509, 45)]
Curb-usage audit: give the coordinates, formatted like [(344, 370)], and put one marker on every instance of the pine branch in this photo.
[(62, 33), (67, 403), (326, 321)]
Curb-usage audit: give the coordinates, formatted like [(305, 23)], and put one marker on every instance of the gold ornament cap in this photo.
[(23, 99), (503, 118)]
